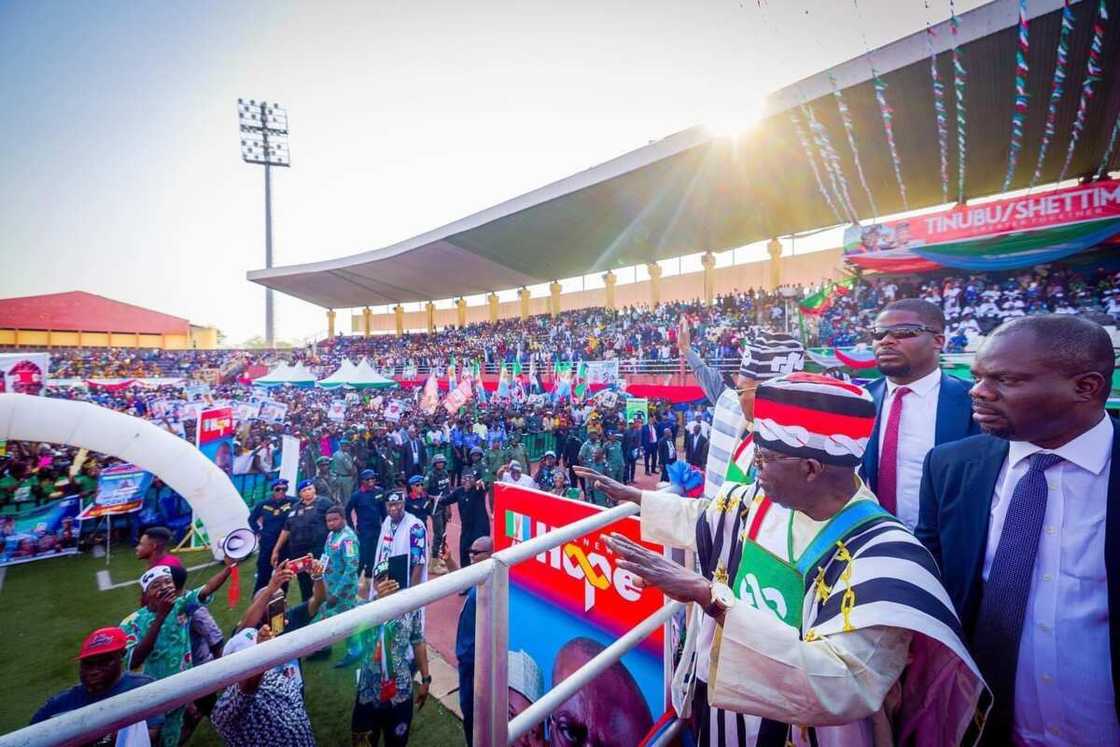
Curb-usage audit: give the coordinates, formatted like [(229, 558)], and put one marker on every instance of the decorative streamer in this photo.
[(1057, 91), (1108, 151), (831, 162), (960, 79), (849, 130), (887, 113), (1019, 114), (797, 128), (941, 115), (1093, 74)]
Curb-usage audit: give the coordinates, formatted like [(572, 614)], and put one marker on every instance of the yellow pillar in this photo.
[(398, 312), (367, 321), (774, 249), (523, 294), (709, 262), (610, 280), (554, 298), (80, 339), (137, 339), (461, 307), (492, 299), (430, 310), (330, 322), (654, 271)]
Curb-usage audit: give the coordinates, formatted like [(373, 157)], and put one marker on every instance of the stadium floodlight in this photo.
[(264, 142)]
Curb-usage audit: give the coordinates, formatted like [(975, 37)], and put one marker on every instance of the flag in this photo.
[(562, 386), (503, 381), (452, 380), (822, 300), (580, 382), (430, 400), (534, 382)]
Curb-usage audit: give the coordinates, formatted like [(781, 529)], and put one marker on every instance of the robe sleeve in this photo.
[(759, 665), (669, 519)]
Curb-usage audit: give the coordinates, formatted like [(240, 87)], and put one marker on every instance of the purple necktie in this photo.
[(995, 641)]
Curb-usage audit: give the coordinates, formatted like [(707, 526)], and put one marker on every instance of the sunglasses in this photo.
[(278, 490), (761, 460), (902, 331)]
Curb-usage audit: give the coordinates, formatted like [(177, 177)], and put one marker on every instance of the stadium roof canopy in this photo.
[(77, 311), (694, 191)]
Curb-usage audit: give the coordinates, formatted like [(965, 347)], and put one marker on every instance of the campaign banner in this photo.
[(289, 462), (24, 373), (394, 410), (245, 411), (120, 490), (215, 436), (567, 605), (635, 407), (600, 372), (272, 411), (337, 411), (45, 532)]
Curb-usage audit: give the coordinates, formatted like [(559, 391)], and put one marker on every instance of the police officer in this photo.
[(418, 503), (438, 485), (615, 458), (365, 511), (324, 485), (267, 519), (305, 532)]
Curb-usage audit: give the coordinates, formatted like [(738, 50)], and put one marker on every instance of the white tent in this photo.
[(341, 376), (284, 374), (361, 376)]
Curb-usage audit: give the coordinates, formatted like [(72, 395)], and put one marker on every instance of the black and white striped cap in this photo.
[(771, 354)]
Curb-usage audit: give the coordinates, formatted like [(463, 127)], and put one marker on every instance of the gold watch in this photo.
[(720, 601)]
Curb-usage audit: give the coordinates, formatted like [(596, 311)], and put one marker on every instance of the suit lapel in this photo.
[(877, 389), (952, 401), (1112, 560)]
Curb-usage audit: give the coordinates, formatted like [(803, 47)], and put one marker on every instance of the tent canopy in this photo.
[(361, 376), (285, 374), (693, 191)]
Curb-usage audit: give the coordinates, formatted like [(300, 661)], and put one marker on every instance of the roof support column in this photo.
[(367, 321), (610, 280), (461, 309), (554, 298), (774, 249), (330, 323), (654, 271), (709, 262), (430, 316), (492, 299), (523, 294), (398, 312)]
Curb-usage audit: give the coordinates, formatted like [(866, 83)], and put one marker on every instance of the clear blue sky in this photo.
[(121, 172)]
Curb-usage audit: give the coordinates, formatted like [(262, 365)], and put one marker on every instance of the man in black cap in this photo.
[(438, 484), (324, 485), (304, 532), (366, 511), (474, 512), (267, 520)]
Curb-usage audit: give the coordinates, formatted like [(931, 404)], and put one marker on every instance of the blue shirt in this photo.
[(78, 697), (464, 638)]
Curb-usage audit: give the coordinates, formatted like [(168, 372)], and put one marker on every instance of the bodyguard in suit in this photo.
[(917, 406), (695, 446), (1024, 522), (413, 454)]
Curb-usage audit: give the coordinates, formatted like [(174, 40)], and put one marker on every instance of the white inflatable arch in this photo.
[(184, 468)]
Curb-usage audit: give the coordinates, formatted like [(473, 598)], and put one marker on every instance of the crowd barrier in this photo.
[(492, 726)]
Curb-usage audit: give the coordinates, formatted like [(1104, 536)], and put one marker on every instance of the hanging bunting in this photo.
[(1019, 113), (808, 151), (849, 130), (831, 163), (960, 78), (888, 114), (940, 114), (1057, 90), (1088, 86), (1103, 169)]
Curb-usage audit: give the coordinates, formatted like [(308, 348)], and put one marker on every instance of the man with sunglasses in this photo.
[(267, 520), (804, 635), (917, 405)]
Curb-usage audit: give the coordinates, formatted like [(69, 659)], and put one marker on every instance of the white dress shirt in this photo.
[(916, 428), (1063, 685)]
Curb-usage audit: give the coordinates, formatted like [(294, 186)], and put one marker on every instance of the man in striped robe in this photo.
[(828, 622)]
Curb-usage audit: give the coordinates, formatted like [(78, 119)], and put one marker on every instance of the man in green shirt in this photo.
[(615, 461), (517, 452)]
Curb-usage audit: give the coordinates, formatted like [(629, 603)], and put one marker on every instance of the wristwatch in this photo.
[(426, 680), (721, 600)]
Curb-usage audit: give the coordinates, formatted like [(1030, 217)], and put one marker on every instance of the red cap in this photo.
[(103, 641)]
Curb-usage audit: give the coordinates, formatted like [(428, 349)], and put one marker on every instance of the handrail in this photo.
[(81, 725)]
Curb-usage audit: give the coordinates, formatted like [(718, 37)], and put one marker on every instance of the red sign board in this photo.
[(215, 424)]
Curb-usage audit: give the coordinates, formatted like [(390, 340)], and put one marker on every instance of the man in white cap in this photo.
[(511, 474), (158, 635)]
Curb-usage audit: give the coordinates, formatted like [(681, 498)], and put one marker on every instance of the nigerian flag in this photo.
[(822, 300)]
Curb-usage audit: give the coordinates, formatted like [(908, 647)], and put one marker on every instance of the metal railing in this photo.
[(491, 713)]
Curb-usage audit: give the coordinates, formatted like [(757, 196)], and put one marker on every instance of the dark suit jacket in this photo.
[(650, 436), (958, 481), (663, 447), (954, 421), (410, 467), (695, 449)]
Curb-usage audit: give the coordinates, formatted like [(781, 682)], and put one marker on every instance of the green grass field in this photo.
[(47, 608)]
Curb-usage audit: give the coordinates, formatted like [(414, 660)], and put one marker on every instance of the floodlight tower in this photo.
[(264, 141)]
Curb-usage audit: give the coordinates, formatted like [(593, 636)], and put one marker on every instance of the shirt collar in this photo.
[(1090, 451), (921, 387)]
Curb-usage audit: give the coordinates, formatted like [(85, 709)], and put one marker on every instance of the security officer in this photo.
[(267, 519), (304, 533), (324, 485), (517, 452), (615, 458), (417, 502), (438, 484), (366, 511)]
